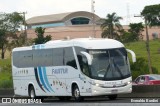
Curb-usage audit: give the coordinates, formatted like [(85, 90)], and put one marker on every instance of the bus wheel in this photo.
[(76, 94), (32, 93), (112, 97)]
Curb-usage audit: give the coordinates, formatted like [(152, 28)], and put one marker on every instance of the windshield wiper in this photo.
[(106, 71), (118, 69)]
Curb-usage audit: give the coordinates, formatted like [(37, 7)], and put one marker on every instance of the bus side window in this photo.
[(83, 64), (69, 57), (58, 57), (85, 68)]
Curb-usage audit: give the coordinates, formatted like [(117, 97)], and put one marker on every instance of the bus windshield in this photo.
[(109, 64)]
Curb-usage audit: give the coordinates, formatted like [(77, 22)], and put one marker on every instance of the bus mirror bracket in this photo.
[(133, 55), (88, 56)]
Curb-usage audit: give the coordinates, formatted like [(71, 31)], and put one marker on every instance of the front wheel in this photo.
[(112, 97), (76, 94), (32, 94)]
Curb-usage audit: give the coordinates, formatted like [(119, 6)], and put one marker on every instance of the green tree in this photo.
[(125, 37), (133, 34), (152, 15), (40, 36), (9, 24), (140, 67), (111, 26), (136, 30)]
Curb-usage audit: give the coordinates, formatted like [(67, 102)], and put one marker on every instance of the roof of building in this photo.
[(59, 17)]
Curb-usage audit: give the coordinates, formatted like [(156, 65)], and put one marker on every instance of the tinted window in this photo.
[(142, 79), (58, 57), (69, 57), (23, 58), (137, 80), (109, 64), (42, 57), (79, 20), (82, 61), (151, 78), (38, 57)]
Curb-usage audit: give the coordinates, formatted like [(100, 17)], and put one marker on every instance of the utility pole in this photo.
[(128, 14), (93, 18), (25, 25), (147, 45)]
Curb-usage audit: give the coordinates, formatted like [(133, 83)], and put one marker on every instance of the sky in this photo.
[(123, 8)]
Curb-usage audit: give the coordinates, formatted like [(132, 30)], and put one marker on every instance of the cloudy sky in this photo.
[(102, 7)]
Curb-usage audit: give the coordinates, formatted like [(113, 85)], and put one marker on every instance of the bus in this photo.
[(81, 67)]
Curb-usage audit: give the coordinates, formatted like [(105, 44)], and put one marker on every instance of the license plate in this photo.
[(114, 91)]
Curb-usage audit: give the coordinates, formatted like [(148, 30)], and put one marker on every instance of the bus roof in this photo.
[(88, 43)]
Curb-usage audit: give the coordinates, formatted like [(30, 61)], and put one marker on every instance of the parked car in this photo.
[(150, 79)]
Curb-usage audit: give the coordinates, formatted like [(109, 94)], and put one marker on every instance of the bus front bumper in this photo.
[(98, 91)]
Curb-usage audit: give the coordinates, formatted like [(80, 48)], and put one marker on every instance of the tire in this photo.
[(76, 94), (112, 97), (32, 94)]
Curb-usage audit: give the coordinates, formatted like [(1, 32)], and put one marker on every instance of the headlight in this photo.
[(97, 84), (93, 83), (127, 83)]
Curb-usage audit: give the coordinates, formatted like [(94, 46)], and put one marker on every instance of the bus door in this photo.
[(84, 79)]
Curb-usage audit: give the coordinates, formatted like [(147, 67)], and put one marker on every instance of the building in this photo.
[(72, 24), (78, 24)]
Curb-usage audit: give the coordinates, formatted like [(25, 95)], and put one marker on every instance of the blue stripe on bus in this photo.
[(41, 78), (37, 79), (44, 72), (46, 79)]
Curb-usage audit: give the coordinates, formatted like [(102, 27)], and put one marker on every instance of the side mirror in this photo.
[(133, 55), (88, 56)]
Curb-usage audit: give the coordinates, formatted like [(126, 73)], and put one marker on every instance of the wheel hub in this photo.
[(76, 93)]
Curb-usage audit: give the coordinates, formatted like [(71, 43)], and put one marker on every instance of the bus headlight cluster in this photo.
[(93, 83), (127, 83)]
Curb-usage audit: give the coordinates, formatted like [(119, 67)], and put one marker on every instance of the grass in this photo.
[(140, 50), (5, 73)]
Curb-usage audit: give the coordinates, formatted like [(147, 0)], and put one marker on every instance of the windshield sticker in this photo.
[(97, 52)]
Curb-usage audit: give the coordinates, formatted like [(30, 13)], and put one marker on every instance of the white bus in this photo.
[(79, 67)]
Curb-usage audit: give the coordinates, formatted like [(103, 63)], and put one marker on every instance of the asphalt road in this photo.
[(100, 101)]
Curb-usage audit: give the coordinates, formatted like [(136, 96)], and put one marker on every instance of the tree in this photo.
[(133, 34), (152, 15), (140, 67), (136, 30), (111, 26), (40, 36), (125, 37), (9, 24)]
